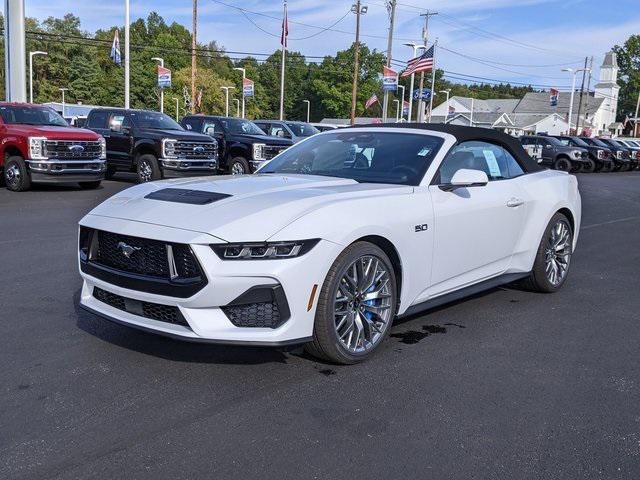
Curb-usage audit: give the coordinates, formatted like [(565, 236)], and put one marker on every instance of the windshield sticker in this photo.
[(492, 163)]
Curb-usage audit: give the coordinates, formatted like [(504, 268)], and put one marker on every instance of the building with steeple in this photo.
[(607, 89)]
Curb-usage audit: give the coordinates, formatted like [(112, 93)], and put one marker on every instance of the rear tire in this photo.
[(360, 271), (551, 265), (16, 174), (589, 166), (563, 164), (89, 185), (148, 168), (239, 166)]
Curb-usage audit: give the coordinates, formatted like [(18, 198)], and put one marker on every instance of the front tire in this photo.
[(356, 305), (563, 164), (239, 166), (589, 166), (148, 168), (551, 264), (16, 174)]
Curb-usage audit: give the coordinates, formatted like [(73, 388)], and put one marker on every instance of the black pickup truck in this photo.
[(152, 144), (599, 155), (243, 146), (558, 156)]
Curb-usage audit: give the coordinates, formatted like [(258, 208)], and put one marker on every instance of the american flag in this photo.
[(373, 99), (423, 63)]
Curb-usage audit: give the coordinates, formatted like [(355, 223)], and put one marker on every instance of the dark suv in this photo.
[(243, 147), (600, 156), (559, 156), (620, 157), (625, 152), (152, 144)]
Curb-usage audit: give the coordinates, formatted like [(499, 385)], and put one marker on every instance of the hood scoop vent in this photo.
[(181, 195)]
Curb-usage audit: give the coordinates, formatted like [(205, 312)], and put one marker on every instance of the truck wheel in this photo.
[(239, 166), (563, 164), (148, 169), (16, 175), (89, 185), (589, 166)]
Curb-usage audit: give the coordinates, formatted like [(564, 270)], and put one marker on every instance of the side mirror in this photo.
[(210, 131), (465, 178), (188, 127), (116, 127), (281, 134)]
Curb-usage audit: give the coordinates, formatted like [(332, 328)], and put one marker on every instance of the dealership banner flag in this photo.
[(164, 77), (389, 80), (247, 87), (373, 99), (553, 97), (452, 111), (115, 49)]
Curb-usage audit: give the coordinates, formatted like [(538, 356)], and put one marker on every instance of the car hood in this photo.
[(258, 206), (266, 139), (177, 134), (52, 132)]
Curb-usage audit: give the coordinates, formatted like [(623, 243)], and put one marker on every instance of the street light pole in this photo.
[(358, 9), (161, 61), (573, 88), (397, 102), (31, 55), (127, 21), (237, 107), (425, 36), (308, 109), (413, 77), (244, 75), (177, 107), (63, 90), (446, 115), (226, 94), (401, 87)]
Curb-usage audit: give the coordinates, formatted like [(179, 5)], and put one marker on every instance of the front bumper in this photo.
[(177, 168), (63, 171), (206, 313)]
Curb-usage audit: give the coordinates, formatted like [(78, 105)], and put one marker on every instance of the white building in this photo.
[(533, 113)]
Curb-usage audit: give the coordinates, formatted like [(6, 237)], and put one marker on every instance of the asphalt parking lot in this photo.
[(508, 384)]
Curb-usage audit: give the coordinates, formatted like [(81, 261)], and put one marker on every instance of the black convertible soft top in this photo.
[(465, 134)]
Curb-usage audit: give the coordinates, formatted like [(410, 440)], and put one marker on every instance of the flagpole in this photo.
[(126, 52), (433, 79), (285, 28), (385, 105)]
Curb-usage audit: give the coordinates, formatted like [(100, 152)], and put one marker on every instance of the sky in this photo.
[(526, 41)]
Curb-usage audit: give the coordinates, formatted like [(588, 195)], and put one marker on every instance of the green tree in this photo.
[(629, 79)]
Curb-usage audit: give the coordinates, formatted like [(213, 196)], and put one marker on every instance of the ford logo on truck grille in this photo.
[(198, 149), (76, 148)]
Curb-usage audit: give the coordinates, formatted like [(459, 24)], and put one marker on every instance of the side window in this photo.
[(215, 124), (492, 159), (274, 130), (98, 119), (119, 120), (192, 124)]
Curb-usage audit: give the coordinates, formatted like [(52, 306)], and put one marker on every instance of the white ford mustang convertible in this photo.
[(331, 240)]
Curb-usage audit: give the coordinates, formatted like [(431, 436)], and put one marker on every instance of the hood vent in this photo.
[(191, 197)]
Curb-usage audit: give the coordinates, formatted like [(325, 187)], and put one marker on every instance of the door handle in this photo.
[(515, 202)]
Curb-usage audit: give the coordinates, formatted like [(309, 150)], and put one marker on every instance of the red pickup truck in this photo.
[(38, 146)]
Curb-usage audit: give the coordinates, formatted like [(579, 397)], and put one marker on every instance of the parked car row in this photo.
[(583, 154), (40, 146)]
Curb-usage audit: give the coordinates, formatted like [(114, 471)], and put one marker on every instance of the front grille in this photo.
[(271, 151), (584, 154), (153, 311), (149, 257), (74, 149), (195, 150), (264, 315)]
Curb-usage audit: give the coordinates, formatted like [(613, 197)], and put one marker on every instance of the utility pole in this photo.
[(226, 101), (194, 44), (127, 69), (586, 107), (433, 79), (358, 9), (425, 36), (584, 74), (385, 102), (283, 44), (14, 51)]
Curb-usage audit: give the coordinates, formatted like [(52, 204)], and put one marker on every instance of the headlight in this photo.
[(169, 148), (103, 148), (619, 154), (263, 250), (37, 148), (258, 151), (577, 153)]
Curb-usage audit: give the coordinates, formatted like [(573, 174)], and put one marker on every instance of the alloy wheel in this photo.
[(12, 176), (362, 305), (146, 172), (558, 253), (237, 169)]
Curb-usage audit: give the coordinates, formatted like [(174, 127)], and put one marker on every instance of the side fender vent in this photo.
[(181, 195)]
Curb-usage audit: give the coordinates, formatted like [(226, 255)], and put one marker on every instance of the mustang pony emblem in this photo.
[(127, 250)]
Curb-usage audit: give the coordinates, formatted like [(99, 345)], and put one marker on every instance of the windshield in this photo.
[(32, 116), (597, 142), (578, 142), (302, 129), (367, 157), (240, 126), (554, 141), (155, 121)]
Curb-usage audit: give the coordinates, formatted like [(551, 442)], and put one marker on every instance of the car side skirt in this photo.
[(463, 293)]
